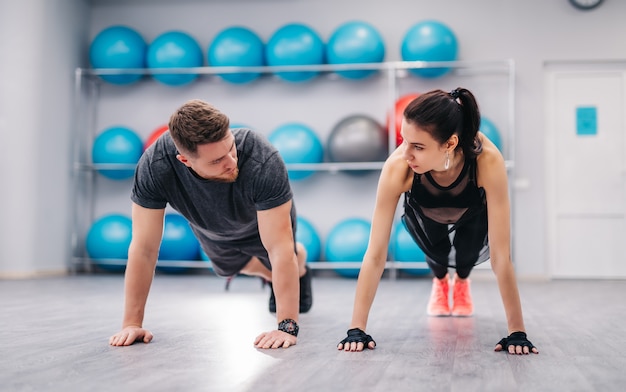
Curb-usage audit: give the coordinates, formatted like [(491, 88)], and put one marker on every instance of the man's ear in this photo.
[(183, 159)]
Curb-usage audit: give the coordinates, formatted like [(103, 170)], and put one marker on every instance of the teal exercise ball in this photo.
[(237, 47), (174, 49), (429, 40), (295, 44), (307, 235), (109, 238), (347, 241), (405, 249), (117, 145), (489, 129), (355, 42), (178, 243), (297, 143), (119, 47), (240, 125)]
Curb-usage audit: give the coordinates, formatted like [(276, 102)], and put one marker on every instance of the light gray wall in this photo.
[(41, 44), (36, 88), (529, 32)]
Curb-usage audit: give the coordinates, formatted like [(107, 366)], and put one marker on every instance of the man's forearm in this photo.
[(137, 283), (285, 282)]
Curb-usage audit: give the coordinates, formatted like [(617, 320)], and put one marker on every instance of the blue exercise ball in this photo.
[(353, 43), (119, 47), (237, 47), (174, 49), (240, 125), (405, 249), (295, 44), (297, 143), (117, 145), (108, 238), (347, 241), (307, 235), (178, 243), (489, 129), (429, 40)]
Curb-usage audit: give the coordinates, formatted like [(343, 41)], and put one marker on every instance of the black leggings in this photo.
[(469, 239), (440, 271)]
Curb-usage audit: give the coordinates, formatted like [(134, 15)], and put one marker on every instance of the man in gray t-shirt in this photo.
[(232, 187)]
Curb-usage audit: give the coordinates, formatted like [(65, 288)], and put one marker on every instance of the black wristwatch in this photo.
[(290, 326)]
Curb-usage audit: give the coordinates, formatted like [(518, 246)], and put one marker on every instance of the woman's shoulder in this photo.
[(396, 161), (396, 171), (490, 164), (490, 154)]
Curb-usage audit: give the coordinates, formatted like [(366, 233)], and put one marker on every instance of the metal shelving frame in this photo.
[(86, 95)]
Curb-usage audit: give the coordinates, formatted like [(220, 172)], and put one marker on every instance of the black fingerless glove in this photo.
[(516, 339), (356, 335)]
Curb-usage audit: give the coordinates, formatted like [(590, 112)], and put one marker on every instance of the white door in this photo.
[(587, 173)]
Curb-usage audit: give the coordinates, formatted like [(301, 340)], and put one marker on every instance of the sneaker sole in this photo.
[(462, 315), (433, 314)]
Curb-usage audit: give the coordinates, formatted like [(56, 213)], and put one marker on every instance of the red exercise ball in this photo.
[(401, 104), (154, 136)]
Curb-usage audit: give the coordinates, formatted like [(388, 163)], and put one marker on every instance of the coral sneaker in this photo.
[(438, 304), (461, 297)]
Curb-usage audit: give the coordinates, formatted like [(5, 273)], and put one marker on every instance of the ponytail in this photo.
[(470, 124)]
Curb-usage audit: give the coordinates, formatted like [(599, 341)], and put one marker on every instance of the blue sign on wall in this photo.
[(586, 120)]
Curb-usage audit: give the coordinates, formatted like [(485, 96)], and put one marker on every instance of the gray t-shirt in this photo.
[(222, 213)]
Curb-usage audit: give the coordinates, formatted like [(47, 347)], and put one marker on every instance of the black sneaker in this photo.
[(272, 299), (306, 294)]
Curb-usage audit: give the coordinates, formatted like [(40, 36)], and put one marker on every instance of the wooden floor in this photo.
[(54, 337)]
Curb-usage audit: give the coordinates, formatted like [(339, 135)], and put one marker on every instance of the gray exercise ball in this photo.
[(357, 138)]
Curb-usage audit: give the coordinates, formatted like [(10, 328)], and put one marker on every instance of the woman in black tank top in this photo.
[(456, 208)]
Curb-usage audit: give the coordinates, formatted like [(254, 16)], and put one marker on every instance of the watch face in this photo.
[(290, 326), (585, 4)]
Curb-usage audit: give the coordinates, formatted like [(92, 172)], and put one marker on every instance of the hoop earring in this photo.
[(446, 164)]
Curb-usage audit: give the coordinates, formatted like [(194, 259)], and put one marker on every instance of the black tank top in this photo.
[(460, 203)]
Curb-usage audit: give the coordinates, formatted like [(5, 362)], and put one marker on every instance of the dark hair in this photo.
[(197, 122), (444, 114)]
